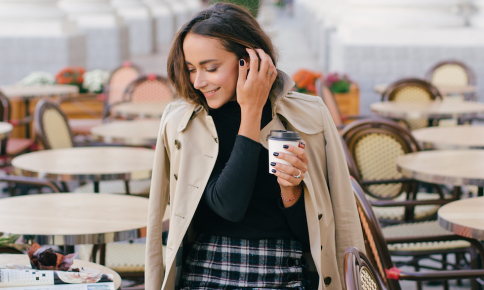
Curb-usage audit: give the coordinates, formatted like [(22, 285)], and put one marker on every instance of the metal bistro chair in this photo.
[(13, 183), (145, 89), (412, 90), (420, 240), (359, 272), (373, 146), (452, 73), (113, 92), (127, 259), (11, 147), (52, 128)]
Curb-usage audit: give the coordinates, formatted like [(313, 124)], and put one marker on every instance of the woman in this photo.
[(233, 224)]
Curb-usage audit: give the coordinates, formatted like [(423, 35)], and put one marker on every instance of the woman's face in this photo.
[(213, 70)]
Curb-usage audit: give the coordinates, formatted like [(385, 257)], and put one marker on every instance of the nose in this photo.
[(199, 81)]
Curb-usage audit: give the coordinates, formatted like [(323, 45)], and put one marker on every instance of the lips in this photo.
[(210, 93)]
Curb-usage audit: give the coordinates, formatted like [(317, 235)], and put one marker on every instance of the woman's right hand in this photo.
[(253, 88)]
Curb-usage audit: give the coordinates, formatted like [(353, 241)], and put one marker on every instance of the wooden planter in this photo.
[(349, 103)]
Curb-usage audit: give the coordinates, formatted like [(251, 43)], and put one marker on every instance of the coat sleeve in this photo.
[(159, 195), (347, 221)]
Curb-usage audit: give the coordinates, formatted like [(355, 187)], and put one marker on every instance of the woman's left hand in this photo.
[(286, 173)]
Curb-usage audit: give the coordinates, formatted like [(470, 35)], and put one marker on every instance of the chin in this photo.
[(215, 104)]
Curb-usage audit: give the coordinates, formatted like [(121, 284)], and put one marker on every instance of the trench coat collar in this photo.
[(281, 87)]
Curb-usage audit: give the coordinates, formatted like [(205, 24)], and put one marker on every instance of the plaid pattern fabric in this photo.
[(229, 263)]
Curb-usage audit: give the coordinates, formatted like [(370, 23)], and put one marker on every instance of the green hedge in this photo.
[(251, 5)]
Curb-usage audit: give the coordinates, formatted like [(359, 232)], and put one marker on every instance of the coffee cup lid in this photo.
[(284, 135)]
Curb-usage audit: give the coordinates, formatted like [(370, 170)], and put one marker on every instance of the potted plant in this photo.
[(345, 92), (306, 81), (71, 76)]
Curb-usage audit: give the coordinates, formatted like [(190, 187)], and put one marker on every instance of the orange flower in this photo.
[(305, 80)]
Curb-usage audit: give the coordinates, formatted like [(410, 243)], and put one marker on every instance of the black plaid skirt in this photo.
[(226, 263)]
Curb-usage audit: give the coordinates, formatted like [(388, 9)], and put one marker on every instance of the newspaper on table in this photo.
[(17, 279)]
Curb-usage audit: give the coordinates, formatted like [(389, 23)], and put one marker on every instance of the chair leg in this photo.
[(417, 269), (126, 185), (444, 267)]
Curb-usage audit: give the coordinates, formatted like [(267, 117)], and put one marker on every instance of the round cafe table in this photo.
[(444, 90), (87, 164), (456, 167), (24, 260), (140, 110), (134, 133), (5, 129), (28, 92), (436, 109), (464, 217), (458, 137), (74, 219)]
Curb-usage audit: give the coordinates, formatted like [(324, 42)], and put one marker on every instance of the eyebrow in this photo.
[(203, 62)]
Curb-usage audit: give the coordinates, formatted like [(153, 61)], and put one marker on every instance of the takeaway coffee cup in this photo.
[(277, 139)]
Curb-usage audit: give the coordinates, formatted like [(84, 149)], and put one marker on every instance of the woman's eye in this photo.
[(211, 70), (191, 70)]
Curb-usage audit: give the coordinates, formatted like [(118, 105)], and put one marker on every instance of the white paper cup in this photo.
[(277, 139)]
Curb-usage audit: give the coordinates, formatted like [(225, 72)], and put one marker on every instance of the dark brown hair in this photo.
[(233, 26)]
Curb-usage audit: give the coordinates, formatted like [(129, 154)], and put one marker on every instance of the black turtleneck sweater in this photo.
[(242, 199)]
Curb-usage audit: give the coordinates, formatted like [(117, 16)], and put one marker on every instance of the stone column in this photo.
[(136, 16), (35, 35), (107, 36)]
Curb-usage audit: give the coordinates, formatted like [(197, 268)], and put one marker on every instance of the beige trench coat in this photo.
[(186, 151)]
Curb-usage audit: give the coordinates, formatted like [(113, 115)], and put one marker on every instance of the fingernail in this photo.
[(285, 146), (276, 154), (242, 62), (273, 164), (303, 143), (273, 171)]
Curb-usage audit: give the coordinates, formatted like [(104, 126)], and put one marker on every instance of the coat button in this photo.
[(176, 176), (177, 144), (320, 216), (290, 262), (321, 248), (327, 281)]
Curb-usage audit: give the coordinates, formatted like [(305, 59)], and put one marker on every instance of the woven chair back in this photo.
[(374, 145), (150, 88), (4, 108), (451, 73), (329, 101), (412, 91), (120, 80), (376, 247), (51, 126), (359, 272)]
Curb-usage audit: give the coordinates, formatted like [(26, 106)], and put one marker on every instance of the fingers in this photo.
[(289, 169), (302, 144), (285, 179), (267, 68), (254, 63), (294, 160), (243, 68), (299, 151)]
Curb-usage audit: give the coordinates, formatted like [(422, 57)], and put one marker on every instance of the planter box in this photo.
[(349, 103)]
